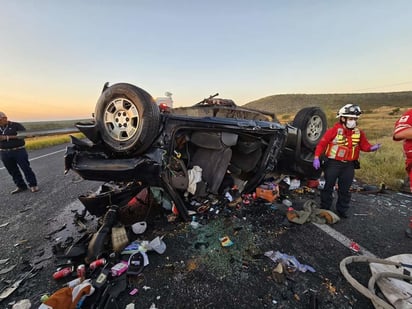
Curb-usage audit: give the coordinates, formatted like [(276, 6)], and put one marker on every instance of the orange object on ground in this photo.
[(266, 193)]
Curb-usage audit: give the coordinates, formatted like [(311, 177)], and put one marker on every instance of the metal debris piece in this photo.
[(55, 231), (42, 260), (278, 274), (6, 270), (25, 209), (4, 224), (8, 291), (4, 261), (20, 242), (80, 224)]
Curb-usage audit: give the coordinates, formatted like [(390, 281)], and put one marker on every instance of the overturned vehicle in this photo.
[(190, 152)]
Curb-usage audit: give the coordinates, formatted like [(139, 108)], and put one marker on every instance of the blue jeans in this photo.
[(14, 159), (343, 172)]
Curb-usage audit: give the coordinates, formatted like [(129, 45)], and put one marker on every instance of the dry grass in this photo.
[(387, 164), (48, 141), (384, 166)]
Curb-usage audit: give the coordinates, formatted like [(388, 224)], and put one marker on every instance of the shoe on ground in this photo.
[(342, 214), (34, 189), (18, 190)]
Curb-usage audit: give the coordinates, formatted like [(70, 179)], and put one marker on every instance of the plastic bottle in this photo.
[(194, 224)]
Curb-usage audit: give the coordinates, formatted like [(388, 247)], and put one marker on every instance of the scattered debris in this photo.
[(225, 241), (9, 290), (290, 263), (48, 236), (22, 304), (354, 247), (25, 209), (20, 242), (6, 270)]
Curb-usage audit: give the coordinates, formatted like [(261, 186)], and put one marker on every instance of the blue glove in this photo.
[(316, 163), (375, 147)]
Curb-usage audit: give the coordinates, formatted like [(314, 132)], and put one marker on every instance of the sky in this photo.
[(55, 56)]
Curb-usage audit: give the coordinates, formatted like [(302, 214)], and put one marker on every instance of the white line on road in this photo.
[(39, 157), (341, 238)]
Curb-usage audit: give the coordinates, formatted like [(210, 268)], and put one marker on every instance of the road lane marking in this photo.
[(39, 157), (342, 238)]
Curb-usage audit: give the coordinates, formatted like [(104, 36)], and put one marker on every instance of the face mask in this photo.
[(350, 124)]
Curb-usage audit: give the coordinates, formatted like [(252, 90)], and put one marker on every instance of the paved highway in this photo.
[(377, 224)]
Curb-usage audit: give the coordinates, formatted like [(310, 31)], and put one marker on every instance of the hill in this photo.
[(291, 103)]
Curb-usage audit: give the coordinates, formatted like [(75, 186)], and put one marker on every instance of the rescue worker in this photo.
[(341, 145), (403, 132)]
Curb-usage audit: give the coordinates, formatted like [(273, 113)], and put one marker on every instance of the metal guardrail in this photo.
[(26, 134)]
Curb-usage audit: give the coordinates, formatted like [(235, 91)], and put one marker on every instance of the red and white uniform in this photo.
[(342, 144), (403, 123)]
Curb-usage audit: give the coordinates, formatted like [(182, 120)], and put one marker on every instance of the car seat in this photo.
[(246, 155), (213, 155)]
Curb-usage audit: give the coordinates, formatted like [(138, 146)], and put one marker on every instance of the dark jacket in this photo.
[(11, 129)]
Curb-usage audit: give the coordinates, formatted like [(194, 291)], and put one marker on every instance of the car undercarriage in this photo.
[(191, 153)]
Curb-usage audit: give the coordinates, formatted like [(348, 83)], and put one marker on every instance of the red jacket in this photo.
[(403, 123), (342, 144)]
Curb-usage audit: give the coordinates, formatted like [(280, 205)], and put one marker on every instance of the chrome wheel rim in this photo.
[(121, 119)]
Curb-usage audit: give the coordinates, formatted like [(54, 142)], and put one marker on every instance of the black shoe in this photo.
[(18, 190), (342, 214)]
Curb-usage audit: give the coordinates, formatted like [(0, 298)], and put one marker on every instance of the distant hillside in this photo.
[(291, 103)]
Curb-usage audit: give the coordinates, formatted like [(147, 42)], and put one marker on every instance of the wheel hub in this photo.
[(314, 128), (121, 119)]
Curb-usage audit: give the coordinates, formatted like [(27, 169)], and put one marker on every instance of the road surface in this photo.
[(377, 224)]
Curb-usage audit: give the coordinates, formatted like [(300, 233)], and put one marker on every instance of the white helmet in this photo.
[(349, 110)]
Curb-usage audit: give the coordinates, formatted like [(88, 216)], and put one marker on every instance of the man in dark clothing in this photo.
[(14, 155)]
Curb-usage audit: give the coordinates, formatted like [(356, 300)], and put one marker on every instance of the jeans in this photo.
[(343, 172), (14, 159)]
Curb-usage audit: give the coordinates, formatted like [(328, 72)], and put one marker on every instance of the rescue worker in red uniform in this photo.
[(341, 145), (403, 132)]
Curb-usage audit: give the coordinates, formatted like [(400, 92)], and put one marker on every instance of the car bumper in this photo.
[(97, 167)]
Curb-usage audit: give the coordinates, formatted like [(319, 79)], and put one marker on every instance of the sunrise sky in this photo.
[(55, 56)]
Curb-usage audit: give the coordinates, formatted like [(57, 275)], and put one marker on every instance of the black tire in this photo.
[(128, 119), (312, 123)]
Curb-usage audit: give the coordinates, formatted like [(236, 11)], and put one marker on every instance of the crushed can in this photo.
[(64, 272), (97, 263)]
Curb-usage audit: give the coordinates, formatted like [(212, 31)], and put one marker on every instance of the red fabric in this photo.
[(328, 137), (403, 123)]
